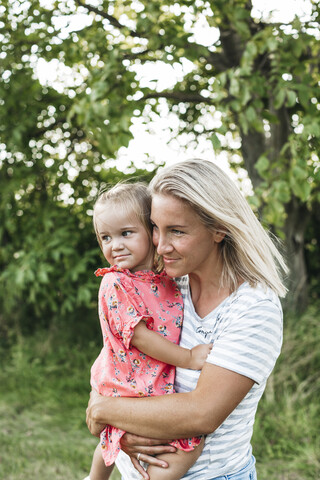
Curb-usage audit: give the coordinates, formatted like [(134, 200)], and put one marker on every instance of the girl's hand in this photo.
[(198, 356), (92, 413), (146, 449)]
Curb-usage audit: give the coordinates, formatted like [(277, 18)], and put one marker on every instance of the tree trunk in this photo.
[(253, 145), (296, 223)]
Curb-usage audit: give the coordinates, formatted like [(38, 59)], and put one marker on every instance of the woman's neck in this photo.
[(206, 291)]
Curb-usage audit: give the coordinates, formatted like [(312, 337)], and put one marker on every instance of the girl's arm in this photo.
[(156, 346)]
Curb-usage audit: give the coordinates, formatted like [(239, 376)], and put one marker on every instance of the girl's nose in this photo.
[(117, 243)]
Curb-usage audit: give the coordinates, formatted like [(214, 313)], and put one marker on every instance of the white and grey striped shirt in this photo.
[(246, 332)]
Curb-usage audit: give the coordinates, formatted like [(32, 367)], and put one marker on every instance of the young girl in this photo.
[(141, 316)]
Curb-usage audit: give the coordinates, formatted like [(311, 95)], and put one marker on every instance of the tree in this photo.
[(252, 88)]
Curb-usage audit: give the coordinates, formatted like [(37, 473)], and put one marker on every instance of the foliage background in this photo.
[(252, 90)]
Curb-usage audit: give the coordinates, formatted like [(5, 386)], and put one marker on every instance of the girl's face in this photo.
[(185, 244), (124, 240)]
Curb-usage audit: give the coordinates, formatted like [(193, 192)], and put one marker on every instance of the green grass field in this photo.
[(44, 392), (44, 386)]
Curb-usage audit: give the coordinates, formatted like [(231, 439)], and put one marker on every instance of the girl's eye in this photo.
[(106, 238), (126, 233)]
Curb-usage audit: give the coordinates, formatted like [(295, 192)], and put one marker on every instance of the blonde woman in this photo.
[(228, 270), (140, 312)]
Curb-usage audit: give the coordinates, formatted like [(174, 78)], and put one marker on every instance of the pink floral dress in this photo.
[(121, 370)]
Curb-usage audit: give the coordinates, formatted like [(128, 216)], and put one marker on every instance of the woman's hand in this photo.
[(96, 401), (145, 448)]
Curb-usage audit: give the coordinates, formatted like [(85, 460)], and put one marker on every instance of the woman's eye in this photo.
[(177, 232)]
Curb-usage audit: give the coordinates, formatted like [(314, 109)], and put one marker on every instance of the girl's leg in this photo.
[(179, 463), (99, 471)]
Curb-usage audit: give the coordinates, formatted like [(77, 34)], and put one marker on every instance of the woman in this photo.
[(227, 268)]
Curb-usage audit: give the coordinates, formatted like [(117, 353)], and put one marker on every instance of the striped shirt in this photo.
[(246, 332)]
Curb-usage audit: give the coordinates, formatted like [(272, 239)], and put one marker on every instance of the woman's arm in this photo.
[(156, 346), (179, 415)]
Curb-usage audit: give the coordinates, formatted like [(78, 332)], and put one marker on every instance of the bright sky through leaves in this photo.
[(154, 143)]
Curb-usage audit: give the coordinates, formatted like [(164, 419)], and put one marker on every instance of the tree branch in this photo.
[(180, 97), (112, 20)]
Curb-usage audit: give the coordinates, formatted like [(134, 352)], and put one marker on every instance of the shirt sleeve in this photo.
[(251, 341), (122, 307)]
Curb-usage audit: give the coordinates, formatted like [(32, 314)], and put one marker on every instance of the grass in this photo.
[(44, 385), (286, 436), (44, 391)]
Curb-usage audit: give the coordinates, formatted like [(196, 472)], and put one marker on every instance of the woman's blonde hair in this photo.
[(134, 199), (247, 250)]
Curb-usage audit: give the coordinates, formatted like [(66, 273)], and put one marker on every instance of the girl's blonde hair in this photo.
[(134, 199), (247, 250)]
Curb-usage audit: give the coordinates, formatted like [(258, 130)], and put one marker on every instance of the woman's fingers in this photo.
[(145, 449), (134, 444), (156, 450), (94, 427), (151, 460), (141, 457), (130, 439), (139, 467)]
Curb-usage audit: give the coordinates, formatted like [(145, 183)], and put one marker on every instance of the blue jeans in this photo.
[(246, 473)]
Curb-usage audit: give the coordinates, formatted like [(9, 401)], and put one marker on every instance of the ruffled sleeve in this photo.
[(120, 305), (101, 272), (143, 275)]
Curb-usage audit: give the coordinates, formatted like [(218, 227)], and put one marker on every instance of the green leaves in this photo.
[(250, 86), (279, 98), (284, 97), (301, 189), (48, 251), (262, 165), (215, 141), (291, 98), (298, 180), (280, 186)]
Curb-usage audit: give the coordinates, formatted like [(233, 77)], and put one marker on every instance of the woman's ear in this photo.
[(218, 236)]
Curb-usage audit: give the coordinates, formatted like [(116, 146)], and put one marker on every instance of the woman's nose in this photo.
[(162, 244)]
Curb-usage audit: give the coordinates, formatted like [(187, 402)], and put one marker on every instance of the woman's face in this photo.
[(185, 244)]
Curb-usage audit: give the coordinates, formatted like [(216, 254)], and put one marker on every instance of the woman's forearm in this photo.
[(178, 415), (158, 417)]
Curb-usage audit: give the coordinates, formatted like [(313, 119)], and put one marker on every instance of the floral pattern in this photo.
[(125, 299)]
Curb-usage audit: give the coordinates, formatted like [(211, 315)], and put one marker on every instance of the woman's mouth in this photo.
[(169, 261)]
